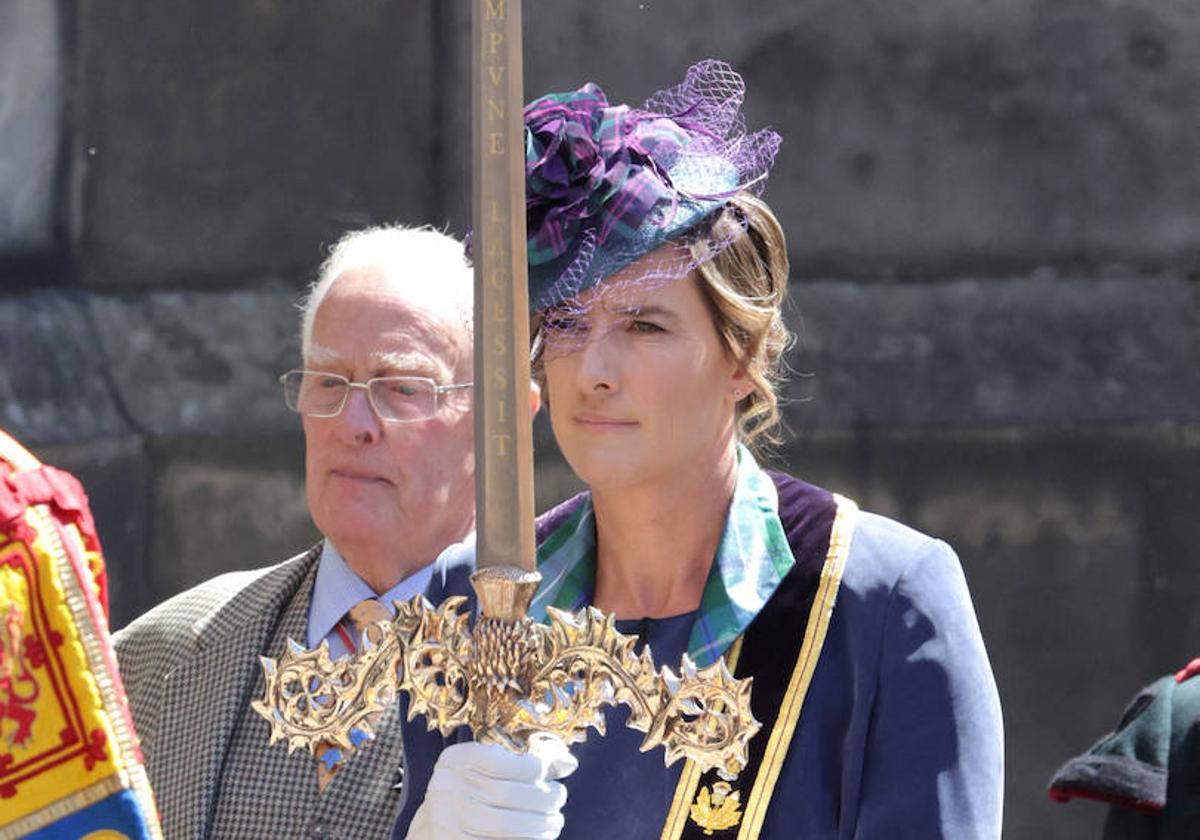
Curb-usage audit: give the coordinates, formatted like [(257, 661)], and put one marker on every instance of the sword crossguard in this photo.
[(509, 678)]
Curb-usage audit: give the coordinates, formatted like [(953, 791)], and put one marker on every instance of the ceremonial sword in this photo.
[(507, 677)]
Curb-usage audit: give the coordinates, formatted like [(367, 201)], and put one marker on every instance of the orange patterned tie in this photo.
[(363, 616)]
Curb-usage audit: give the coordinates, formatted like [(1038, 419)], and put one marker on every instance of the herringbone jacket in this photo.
[(191, 668)]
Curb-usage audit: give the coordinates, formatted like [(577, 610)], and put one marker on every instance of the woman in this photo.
[(657, 279)]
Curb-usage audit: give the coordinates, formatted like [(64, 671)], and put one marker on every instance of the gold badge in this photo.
[(718, 810)]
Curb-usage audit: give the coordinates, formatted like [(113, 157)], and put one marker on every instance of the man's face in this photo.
[(371, 483)]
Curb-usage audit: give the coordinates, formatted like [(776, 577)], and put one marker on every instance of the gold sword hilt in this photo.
[(508, 678)]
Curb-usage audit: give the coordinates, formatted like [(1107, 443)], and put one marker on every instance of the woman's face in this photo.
[(639, 384)]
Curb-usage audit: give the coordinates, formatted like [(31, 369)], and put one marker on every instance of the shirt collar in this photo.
[(337, 589), (752, 558)]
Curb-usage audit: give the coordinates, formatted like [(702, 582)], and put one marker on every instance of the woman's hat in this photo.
[(606, 184)]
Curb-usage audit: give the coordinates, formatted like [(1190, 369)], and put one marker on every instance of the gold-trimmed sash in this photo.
[(717, 808)]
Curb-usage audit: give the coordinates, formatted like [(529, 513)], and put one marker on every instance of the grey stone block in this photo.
[(54, 384), (1037, 351), (960, 138), (225, 141), (934, 138), (201, 362), (225, 503), (31, 102), (115, 474)]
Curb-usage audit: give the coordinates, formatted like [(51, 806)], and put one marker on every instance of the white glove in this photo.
[(483, 790)]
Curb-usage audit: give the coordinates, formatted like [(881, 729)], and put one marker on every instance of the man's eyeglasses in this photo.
[(399, 399)]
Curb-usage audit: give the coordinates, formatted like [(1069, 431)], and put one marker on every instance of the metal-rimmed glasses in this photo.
[(397, 399)]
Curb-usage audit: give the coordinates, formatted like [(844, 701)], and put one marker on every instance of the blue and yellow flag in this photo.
[(70, 766)]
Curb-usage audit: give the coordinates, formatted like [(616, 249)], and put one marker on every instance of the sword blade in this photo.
[(503, 431)]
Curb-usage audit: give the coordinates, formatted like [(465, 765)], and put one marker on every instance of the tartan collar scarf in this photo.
[(753, 556)]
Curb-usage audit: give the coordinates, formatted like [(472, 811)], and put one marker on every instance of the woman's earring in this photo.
[(737, 393)]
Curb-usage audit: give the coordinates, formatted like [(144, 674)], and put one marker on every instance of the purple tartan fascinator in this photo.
[(606, 184)]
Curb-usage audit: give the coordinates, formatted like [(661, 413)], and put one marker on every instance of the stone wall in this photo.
[(32, 66), (993, 232)]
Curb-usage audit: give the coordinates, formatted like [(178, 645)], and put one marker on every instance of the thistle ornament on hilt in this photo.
[(508, 678)]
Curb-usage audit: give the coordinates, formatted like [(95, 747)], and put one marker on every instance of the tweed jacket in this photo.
[(191, 669)]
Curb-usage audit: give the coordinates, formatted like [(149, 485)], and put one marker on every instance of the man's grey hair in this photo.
[(422, 259)]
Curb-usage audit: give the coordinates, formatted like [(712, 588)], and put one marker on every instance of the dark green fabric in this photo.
[(1148, 768)]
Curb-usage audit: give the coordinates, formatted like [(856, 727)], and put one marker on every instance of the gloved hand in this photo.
[(483, 790)]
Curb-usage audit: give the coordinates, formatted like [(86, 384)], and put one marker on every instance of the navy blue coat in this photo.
[(900, 734)]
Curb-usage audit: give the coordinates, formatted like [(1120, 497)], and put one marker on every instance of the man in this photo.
[(388, 426)]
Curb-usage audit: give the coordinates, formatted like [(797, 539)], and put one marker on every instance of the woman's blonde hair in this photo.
[(745, 284)]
